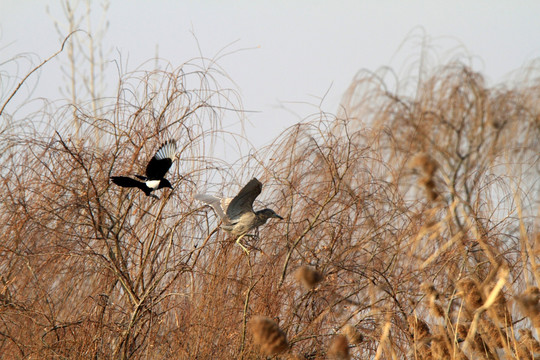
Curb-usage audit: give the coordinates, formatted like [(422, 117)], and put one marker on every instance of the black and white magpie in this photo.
[(155, 171)]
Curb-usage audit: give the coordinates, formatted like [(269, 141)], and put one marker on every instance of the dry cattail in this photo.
[(476, 342), (429, 184), (470, 293), (481, 349), (463, 330), (428, 166), (268, 335), (529, 304), (429, 290), (530, 297), (435, 308), (352, 334), (529, 342), (308, 276), (537, 244), (495, 336), (294, 356), (339, 348), (422, 351), (432, 295), (523, 353), (418, 327), (440, 347), (499, 309), (501, 312), (424, 162)]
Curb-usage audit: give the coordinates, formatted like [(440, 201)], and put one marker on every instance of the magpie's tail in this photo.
[(128, 182)]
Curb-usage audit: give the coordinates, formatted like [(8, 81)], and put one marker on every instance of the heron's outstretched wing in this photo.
[(243, 202), (225, 204), (220, 205), (161, 162)]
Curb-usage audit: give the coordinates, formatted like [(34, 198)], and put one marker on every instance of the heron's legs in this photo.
[(242, 246)]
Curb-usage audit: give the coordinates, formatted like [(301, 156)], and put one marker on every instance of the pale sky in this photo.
[(298, 49)]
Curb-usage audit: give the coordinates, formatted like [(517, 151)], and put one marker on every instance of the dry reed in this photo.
[(92, 270)]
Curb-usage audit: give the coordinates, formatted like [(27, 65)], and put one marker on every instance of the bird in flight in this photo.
[(237, 213), (155, 171)]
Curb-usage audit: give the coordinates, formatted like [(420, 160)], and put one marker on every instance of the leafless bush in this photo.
[(418, 213), (89, 269)]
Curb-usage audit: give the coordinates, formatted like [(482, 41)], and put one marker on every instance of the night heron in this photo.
[(155, 171), (237, 213)]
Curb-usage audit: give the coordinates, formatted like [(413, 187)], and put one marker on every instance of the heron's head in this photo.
[(164, 183), (267, 214)]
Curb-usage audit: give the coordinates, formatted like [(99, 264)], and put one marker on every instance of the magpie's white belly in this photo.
[(153, 184)]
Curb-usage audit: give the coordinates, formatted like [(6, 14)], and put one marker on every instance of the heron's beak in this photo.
[(277, 216)]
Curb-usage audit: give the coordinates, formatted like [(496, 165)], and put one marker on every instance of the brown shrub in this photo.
[(88, 269)]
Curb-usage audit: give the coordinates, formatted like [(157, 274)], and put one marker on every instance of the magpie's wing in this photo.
[(125, 181), (243, 202), (161, 162)]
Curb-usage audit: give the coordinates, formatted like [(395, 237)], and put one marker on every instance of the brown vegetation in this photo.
[(418, 212)]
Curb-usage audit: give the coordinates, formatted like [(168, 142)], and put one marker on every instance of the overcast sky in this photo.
[(298, 49)]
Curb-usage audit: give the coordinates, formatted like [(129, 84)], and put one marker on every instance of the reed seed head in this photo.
[(339, 348), (418, 327), (529, 304), (494, 335), (435, 308), (424, 162), (429, 290), (268, 336), (308, 277), (529, 341), (352, 334), (440, 347), (470, 293)]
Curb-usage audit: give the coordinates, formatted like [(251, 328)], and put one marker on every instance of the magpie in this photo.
[(155, 171)]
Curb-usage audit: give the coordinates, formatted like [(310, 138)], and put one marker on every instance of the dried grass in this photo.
[(92, 270)]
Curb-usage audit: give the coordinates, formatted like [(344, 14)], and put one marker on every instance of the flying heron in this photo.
[(237, 213)]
